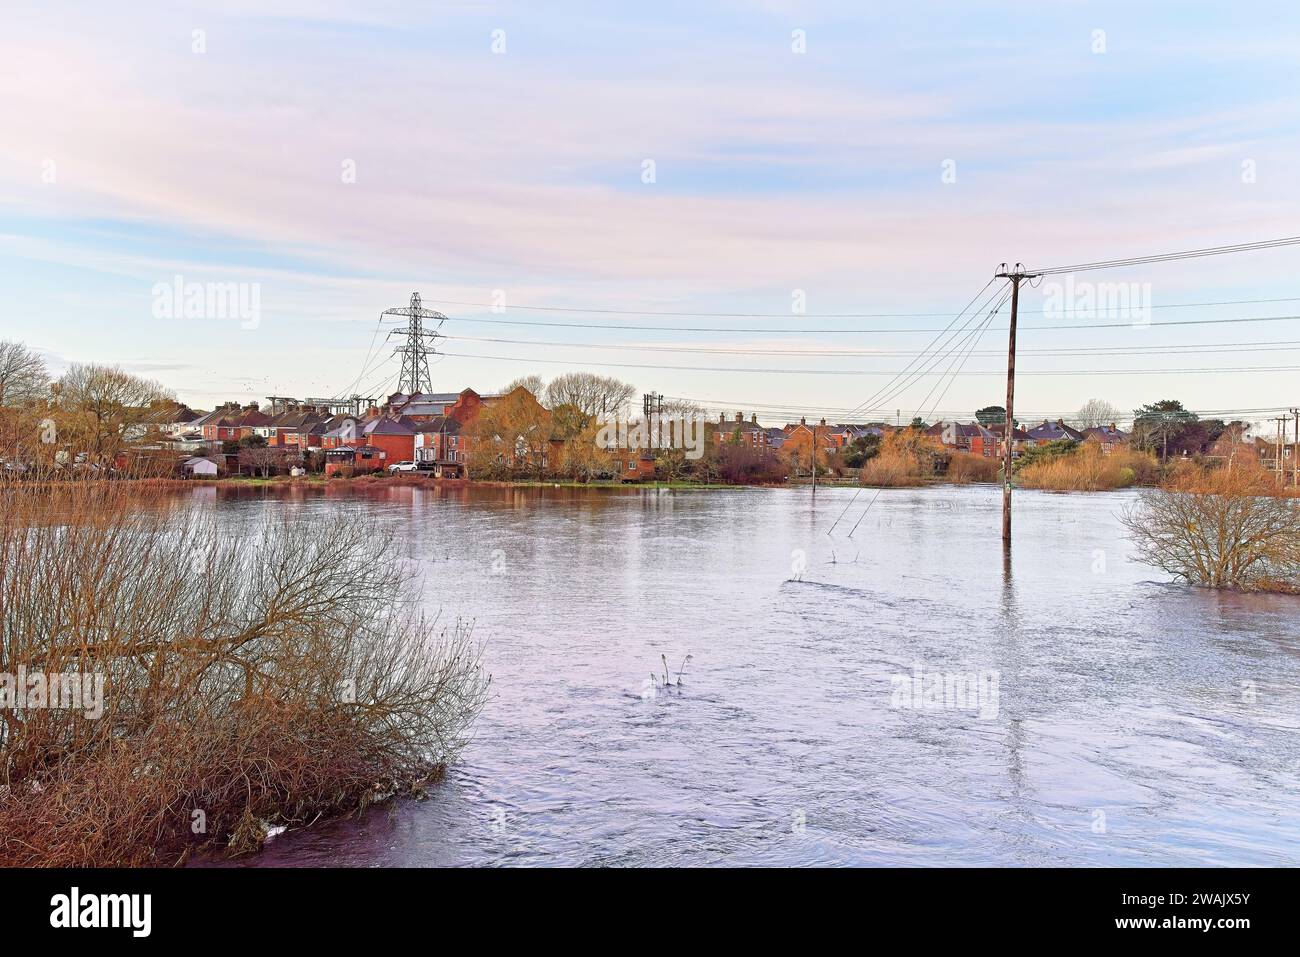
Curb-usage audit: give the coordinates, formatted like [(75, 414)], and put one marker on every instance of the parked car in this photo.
[(402, 467)]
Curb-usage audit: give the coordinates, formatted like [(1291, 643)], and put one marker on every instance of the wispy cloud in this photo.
[(525, 171)]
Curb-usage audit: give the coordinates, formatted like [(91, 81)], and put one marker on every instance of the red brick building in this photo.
[(740, 432)]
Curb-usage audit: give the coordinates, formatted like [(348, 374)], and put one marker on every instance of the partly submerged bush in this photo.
[(247, 682), (906, 457), (1089, 468), (1221, 529), (1042, 452), (965, 467)]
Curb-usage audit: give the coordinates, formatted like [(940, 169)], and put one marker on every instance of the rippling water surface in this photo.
[(1136, 722)]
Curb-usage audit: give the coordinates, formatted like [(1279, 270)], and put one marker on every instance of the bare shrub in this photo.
[(1221, 529), (268, 679)]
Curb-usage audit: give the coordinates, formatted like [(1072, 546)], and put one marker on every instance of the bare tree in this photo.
[(533, 383), (263, 460), (592, 394), (100, 406), (682, 407), (1095, 413), (1221, 529), (23, 377)]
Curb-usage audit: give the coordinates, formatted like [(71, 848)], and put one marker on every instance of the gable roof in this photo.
[(1051, 431), (999, 429), (387, 426), (1106, 433), (441, 423)]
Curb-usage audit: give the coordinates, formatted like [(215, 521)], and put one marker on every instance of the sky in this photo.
[(845, 176)]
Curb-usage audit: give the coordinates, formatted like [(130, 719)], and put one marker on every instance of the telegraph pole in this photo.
[(1278, 445), (814, 460), (1295, 450), (1015, 274)]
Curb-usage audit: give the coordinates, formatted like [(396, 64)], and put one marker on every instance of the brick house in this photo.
[(1019, 437), (395, 436), (1109, 436), (632, 465), (292, 426), (440, 446), (801, 434), (748, 433), (957, 435), (1053, 432), (231, 422)]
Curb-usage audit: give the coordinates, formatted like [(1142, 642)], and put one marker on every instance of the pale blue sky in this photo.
[(775, 171)]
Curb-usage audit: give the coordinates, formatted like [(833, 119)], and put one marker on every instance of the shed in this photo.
[(200, 467)]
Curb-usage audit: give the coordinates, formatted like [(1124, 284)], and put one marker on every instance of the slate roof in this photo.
[(1052, 431)]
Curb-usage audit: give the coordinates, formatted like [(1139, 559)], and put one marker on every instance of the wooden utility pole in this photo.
[(1295, 450), (1278, 445), (1015, 275), (814, 460)]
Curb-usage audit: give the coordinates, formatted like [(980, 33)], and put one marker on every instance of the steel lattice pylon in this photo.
[(416, 349)]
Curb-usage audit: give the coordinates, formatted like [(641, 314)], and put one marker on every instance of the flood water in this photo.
[(1122, 720)]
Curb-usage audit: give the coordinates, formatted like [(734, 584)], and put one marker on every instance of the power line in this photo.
[(934, 342), (365, 362), (795, 330), (953, 378), (824, 315), (1170, 257), (634, 365), (796, 408), (371, 386), (891, 394), (1276, 345)]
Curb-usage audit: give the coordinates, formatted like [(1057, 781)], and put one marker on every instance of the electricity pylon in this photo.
[(416, 349)]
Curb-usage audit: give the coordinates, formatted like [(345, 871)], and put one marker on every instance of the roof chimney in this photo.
[(740, 417), (753, 417), (823, 422), (722, 417), (803, 420)]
